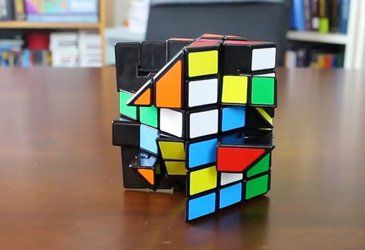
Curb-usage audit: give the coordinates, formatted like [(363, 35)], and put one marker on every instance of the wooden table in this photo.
[(60, 179)]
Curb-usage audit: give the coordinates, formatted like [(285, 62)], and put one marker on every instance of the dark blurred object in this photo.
[(257, 20)]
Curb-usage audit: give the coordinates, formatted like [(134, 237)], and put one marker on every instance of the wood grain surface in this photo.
[(60, 178)]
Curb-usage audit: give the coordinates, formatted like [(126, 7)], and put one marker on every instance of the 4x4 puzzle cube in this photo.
[(197, 117)]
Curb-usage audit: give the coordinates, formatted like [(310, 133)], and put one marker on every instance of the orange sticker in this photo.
[(148, 175), (144, 98), (169, 88)]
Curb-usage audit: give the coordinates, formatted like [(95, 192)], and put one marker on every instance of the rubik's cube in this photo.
[(197, 117)]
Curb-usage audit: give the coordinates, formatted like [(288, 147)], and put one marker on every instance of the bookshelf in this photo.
[(100, 26), (353, 41), (312, 36), (43, 25)]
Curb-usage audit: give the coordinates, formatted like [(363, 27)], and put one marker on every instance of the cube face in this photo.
[(263, 91), (203, 123), (260, 167), (124, 109), (148, 138), (171, 150), (202, 63), (168, 88), (202, 153), (257, 186), (195, 89), (263, 59), (227, 178), (148, 175), (202, 180), (236, 159), (171, 121), (145, 99), (125, 133), (200, 206), (149, 116), (203, 116), (233, 118), (130, 178), (246, 57), (175, 167), (234, 89), (230, 195)]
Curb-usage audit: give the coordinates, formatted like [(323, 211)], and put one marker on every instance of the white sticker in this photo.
[(171, 122), (203, 123), (227, 178), (203, 92), (263, 58)]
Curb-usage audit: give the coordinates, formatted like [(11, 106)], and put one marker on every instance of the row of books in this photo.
[(320, 15), (25, 58), (58, 49), (50, 11), (72, 49), (305, 57)]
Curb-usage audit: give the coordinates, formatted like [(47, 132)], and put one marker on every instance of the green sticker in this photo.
[(257, 186), (149, 116), (263, 91), (262, 166), (124, 109)]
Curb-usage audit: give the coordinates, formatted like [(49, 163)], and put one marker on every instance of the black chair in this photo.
[(266, 20)]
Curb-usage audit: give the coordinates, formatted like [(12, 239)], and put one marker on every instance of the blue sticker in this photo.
[(148, 138), (230, 195), (201, 206), (233, 117), (203, 152)]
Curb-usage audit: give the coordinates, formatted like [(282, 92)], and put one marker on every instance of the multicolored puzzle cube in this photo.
[(197, 117)]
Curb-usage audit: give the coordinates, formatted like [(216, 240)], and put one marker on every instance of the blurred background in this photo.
[(82, 33)]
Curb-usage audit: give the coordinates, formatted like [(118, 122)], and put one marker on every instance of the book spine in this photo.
[(6, 10), (344, 8), (298, 15), (314, 14), (84, 18), (307, 15), (19, 9), (334, 14), (323, 16)]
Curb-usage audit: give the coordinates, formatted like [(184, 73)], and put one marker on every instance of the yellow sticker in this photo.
[(172, 150), (265, 115), (203, 63), (175, 167), (234, 89), (202, 180)]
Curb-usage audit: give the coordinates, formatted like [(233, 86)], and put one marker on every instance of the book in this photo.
[(323, 16), (320, 15), (314, 58), (62, 11), (66, 18), (344, 9), (298, 19), (314, 14), (19, 10), (334, 15), (61, 6), (307, 15), (6, 10), (90, 49)]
